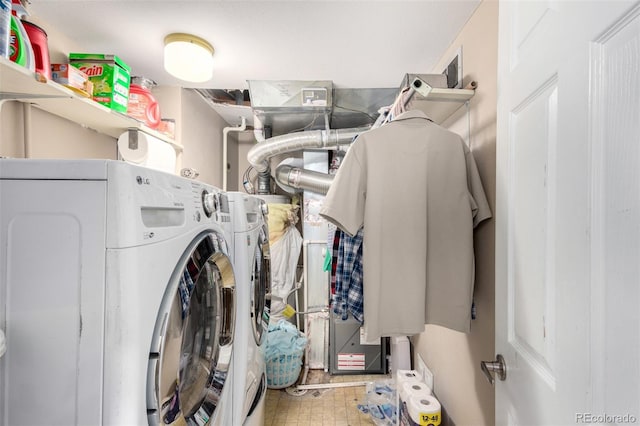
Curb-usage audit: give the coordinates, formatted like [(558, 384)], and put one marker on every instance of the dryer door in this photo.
[(193, 337), (261, 286)]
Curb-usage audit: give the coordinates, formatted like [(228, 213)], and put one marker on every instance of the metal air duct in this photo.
[(287, 106), (259, 155), (295, 177)]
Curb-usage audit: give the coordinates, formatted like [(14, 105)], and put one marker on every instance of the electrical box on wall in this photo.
[(274, 95), (291, 105)]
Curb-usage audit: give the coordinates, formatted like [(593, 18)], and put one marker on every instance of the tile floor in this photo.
[(320, 407)]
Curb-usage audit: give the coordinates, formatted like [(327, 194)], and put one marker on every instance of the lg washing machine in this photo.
[(119, 296)]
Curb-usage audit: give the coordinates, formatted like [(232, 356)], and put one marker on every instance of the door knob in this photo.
[(498, 366)]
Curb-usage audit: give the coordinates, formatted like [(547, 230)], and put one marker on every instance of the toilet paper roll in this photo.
[(145, 150), (406, 391), (424, 410), (409, 389), (407, 376)]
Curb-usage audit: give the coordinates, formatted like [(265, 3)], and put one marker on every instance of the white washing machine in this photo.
[(253, 283), (117, 296)]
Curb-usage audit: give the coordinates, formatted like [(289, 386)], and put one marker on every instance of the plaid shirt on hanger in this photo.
[(348, 297)]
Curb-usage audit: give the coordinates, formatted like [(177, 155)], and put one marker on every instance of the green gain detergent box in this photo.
[(110, 76)]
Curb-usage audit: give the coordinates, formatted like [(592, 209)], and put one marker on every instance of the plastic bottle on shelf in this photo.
[(40, 48), (5, 27), (142, 105), (20, 50)]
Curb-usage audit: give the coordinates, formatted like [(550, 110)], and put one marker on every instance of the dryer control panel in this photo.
[(147, 206)]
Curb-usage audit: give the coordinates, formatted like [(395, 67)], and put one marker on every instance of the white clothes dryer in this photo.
[(253, 283), (118, 296)]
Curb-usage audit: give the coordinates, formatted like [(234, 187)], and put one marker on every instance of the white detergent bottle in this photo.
[(20, 49), (5, 27)]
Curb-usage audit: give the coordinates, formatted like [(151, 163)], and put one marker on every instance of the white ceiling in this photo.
[(353, 43)]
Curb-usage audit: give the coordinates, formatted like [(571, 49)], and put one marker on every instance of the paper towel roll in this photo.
[(424, 410), (145, 150)]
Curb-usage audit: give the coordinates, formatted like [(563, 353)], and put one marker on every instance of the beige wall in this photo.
[(27, 131), (245, 141), (198, 128), (202, 128), (48, 136), (453, 357)]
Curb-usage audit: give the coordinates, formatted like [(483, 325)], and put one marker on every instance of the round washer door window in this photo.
[(260, 287), (196, 327)]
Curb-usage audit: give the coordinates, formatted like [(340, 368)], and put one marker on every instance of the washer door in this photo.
[(194, 336), (260, 287)]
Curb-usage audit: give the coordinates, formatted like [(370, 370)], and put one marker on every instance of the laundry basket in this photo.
[(283, 354), (284, 370)]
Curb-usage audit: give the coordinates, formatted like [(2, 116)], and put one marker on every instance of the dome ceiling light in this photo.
[(188, 57)]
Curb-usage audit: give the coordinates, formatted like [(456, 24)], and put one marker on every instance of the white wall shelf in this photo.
[(440, 104), (20, 84)]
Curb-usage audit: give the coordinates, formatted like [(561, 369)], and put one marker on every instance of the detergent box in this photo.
[(110, 76), (73, 78)]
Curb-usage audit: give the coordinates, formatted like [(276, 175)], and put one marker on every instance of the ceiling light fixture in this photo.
[(188, 57)]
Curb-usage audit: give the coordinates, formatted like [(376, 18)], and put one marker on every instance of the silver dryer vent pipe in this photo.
[(297, 178), (259, 155)]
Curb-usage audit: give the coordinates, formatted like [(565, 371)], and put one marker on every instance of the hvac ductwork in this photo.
[(295, 177), (259, 155), (289, 104)]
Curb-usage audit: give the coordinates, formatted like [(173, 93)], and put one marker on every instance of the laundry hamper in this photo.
[(284, 370), (283, 355)]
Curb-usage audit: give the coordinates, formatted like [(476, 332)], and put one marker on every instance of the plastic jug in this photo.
[(20, 50), (142, 105), (17, 43), (40, 46)]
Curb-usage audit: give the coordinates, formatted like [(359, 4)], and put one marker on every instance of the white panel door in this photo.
[(568, 212)]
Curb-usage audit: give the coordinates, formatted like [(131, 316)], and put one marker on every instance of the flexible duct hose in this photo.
[(259, 155), (295, 177)]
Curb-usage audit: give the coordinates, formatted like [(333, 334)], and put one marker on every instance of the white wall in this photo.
[(454, 357)]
